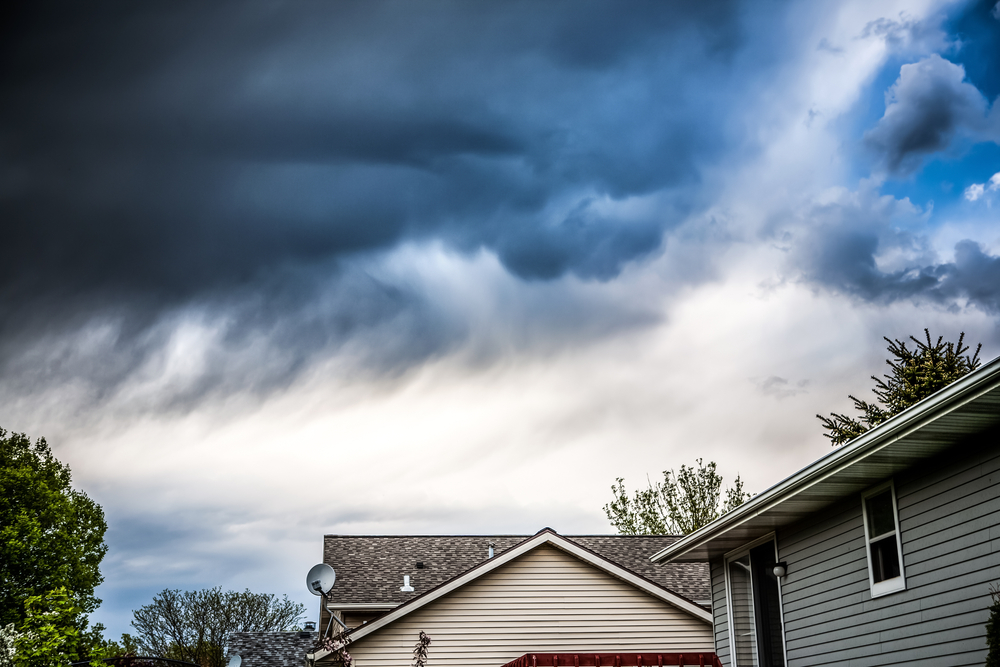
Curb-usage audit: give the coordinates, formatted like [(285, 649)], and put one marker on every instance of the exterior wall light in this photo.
[(780, 569)]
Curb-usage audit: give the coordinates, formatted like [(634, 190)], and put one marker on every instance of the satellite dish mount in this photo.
[(320, 581)]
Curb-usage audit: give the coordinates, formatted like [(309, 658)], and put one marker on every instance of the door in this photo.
[(755, 608)]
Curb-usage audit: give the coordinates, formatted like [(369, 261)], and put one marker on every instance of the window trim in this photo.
[(738, 553), (896, 584)]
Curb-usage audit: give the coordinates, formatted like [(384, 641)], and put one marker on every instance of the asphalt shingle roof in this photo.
[(370, 568), (272, 649)]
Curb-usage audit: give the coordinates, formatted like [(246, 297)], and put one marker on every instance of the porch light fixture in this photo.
[(780, 569)]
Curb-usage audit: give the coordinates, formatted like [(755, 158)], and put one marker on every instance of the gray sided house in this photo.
[(880, 553)]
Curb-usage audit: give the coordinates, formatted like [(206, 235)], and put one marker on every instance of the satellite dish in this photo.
[(320, 579), (235, 661)]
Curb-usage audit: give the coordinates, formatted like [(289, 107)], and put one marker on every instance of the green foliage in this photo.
[(8, 637), (51, 536), (915, 374), (680, 504), (49, 636), (195, 625), (993, 630), (127, 647)]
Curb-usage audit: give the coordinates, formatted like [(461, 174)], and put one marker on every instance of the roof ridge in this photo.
[(385, 535)]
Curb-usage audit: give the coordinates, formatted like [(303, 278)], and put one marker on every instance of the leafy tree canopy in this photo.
[(914, 375), (680, 504), (51, 536), (195, 625), (49, 636)]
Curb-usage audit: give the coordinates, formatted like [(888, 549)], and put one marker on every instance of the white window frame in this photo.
[(739, 553), (896, 584)]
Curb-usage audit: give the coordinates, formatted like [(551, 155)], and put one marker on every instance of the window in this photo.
[(755, 629), (885, 555)]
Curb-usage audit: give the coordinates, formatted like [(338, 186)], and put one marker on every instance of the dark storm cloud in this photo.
[(172, 149), (926, 108), (250, 340), (842, 247), (164, 154)]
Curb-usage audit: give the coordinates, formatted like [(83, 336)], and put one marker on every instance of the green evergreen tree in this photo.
[(914, 375), (993, 630), (680, 504)]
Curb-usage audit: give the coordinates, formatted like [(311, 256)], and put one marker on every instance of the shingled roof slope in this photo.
[(370, 568), (272, 649)]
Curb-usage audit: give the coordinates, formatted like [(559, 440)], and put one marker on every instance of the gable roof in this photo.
[(543, 537), (966, 407), (370, 568)]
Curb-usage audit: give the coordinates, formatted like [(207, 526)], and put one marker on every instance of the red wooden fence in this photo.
[(615, 660)]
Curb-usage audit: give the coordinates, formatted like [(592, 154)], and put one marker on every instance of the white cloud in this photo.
[(977, 190)]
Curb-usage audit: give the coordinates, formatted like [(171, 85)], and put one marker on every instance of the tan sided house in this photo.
[(488, 600)]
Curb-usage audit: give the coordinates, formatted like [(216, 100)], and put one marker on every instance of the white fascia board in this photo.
[(916, 416), (360, 606), (531, 543)]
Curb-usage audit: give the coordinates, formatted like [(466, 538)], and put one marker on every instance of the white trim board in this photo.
[(361, 606)]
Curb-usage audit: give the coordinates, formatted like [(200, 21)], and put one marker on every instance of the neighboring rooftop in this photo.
[(272, 649), (370, 568)]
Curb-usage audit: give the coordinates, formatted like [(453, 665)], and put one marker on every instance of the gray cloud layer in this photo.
[(928, 106), (167, 150), (840, 246), (166, 161), (240, 157)]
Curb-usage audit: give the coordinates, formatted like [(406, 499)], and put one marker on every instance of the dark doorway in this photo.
[(767, 606)]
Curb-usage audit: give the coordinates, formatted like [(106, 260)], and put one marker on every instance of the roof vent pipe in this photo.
[(406, 587), (491, 550)]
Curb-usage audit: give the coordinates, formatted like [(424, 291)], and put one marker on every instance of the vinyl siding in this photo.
[(720, 613), (949, 515), (545, 601)]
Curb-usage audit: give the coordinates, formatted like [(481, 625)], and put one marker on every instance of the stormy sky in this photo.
[(273, 270)]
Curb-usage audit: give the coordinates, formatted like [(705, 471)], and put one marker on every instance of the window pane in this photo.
[(880, 516), (744, 632), (885, 559)]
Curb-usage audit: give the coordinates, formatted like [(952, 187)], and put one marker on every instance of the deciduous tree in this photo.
[(680, 504), (51, 535), (49, 636), (196, 625)]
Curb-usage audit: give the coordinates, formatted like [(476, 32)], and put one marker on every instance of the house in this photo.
[(489, 600), (880, 553)]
